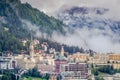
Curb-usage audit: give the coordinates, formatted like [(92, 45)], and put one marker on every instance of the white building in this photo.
[(7, 63)]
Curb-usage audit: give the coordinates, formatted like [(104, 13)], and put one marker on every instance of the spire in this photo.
[(62, 50), (31, 50), (31, 36), (31, 47)]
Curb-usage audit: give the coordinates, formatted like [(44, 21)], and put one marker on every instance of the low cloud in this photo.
[(98, 40), (91, 39), (52, 7), (101, 41), (34, 29)]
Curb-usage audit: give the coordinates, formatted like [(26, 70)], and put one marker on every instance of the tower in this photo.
[(62, 50), (31, 49)]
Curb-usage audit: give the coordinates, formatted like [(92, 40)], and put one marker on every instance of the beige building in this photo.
[(78, 57), (28, 64), (44, 68), (99, 59), (25, 62), (114, 58), (116, 65)]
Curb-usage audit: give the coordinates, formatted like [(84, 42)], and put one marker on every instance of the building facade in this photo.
[(7, 63), (114, 58), (75, 71), (79, 57), (58, 63), (100, 58)]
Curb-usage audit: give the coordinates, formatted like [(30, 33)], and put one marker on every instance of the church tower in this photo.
[(62, 50), (31, 49)]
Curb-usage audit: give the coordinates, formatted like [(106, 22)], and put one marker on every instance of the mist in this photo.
[(91, 39), (34, 29), (101, 41), (53, 7)]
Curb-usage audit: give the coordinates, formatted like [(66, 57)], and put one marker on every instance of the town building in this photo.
[(116, 65), (24, 62), (7, 63), (59, 60), (24, 42), (27, 61), (53, 77), (114, 58), (52, 50), (44, 62), (78, 57), (98, 59), (75, 71), (45, 68)]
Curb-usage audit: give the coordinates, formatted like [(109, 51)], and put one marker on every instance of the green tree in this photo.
[(5, 77), (47, 76), (107, 69)]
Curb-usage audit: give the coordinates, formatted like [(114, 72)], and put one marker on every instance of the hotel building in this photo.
[(75, 71)]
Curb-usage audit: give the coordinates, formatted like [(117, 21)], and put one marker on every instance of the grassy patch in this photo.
[(33, 78)]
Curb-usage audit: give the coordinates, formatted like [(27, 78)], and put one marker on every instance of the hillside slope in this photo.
[(13, 16)]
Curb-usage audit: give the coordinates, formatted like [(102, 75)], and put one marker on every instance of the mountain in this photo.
[(14, 17), (84, 16), (13, 12), (93, 27), (89, 17)]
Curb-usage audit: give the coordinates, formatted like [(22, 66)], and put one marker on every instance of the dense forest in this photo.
[(13, 12), (14, 29)]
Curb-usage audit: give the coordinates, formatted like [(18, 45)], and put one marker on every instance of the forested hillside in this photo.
[(12, 31)]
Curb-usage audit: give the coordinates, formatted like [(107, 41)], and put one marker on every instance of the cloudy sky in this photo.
[(51, 7), (99, 43)]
